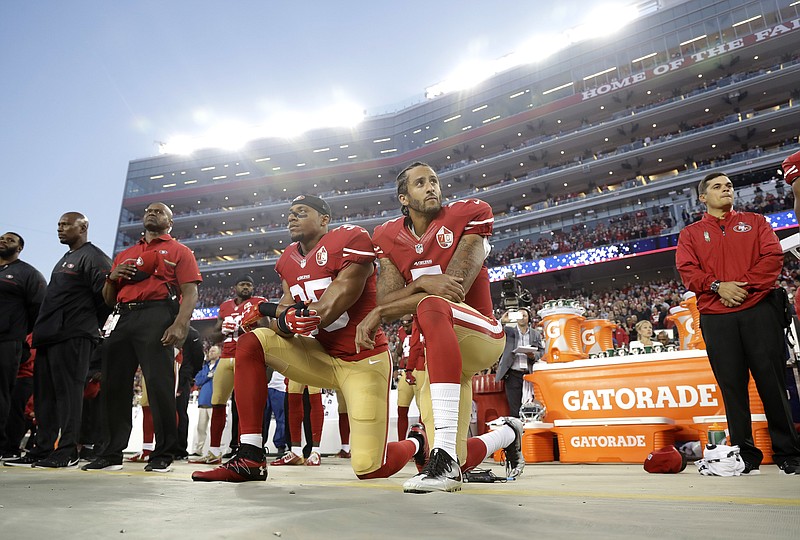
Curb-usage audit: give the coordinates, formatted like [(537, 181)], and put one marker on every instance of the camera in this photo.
[(513, 295)]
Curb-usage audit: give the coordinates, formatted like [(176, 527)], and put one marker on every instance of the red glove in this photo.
[(298, 320), (410, 379), (250, 317)]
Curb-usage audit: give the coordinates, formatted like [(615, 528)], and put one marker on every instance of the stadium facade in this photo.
[(604, 128)]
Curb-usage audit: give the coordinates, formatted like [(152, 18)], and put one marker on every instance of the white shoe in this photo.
[(441, 473)]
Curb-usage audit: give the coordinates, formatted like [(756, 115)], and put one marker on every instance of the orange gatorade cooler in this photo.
[(682, 318), (597, 335), (561, 324), (537, 442), (690, 303), (612, 440)]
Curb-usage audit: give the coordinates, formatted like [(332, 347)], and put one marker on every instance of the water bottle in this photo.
[(716, 434)]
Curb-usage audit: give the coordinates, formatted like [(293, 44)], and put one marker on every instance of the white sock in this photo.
[(214, 450), (253, 439), (444, 401), (496, 439), (346, 447), (149, 446), (297, 450), (315, 449)]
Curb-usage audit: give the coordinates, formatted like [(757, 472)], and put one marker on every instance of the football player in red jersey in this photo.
[(227, 331), (411, 362), (431, 264), (328, 280)]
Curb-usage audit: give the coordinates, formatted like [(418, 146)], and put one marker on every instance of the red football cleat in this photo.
[(289, 458), (238, 469), (314, 460)]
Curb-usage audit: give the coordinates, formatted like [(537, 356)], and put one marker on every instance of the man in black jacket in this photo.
[(192, 363), (64, 336), (21, 293)]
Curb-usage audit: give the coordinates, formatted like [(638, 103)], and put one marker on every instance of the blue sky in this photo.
[(88, 86)]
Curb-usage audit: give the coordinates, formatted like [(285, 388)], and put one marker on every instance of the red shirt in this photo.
[(431, 253), (176, 265), (739, 247), (26, 366), (309, 275), (231, 311)]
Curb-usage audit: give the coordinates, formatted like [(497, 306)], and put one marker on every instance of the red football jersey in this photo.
[(231, 311), (430, 254), (309, 276)]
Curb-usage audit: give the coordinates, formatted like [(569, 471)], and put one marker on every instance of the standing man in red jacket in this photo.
[(731, 261)]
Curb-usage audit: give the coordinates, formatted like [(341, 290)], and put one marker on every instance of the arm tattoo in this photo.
[(467, 259), (389, 280)]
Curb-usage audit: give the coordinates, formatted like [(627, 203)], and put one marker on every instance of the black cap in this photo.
[(246, 278), (314, 202)]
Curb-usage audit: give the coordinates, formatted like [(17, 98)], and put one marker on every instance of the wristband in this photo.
[(268, 309)]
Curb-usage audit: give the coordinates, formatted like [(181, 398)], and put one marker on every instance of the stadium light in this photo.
[(603, 21), (232, 135)]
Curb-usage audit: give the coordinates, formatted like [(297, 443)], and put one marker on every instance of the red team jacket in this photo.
[(739, 247), (431, 253), (309, 276)]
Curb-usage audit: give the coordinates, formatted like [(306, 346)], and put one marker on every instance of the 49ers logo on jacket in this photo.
[(444, 237), (742, 227), (322, 256)]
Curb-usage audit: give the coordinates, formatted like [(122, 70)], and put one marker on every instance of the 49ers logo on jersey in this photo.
[(444, 237), (322, 256), (742, 227)]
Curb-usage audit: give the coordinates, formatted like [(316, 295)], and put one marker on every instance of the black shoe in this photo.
[(87, 454), (441, 473), (231, 452), (790, 466), (56, 461), (181, 457), (160, 465), (23, 461), (103, 464), (8, 454), (750, 469)]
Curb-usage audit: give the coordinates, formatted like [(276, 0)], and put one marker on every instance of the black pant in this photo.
[(59, 376), (181, 406), (136, 341), (748, 342), (513, 384), (10, 356), (17, 425)]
